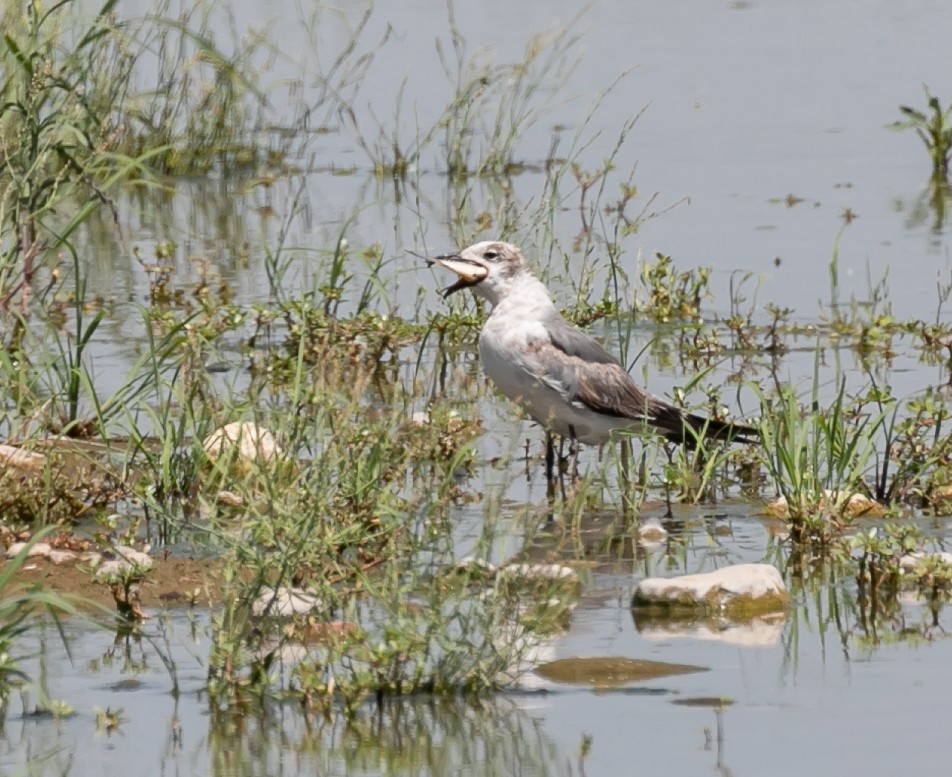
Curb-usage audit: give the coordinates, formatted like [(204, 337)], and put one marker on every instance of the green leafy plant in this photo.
[(934, 128)]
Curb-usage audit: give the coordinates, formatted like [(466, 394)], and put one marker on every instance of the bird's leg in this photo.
[(549, 461), (667, 483), (573, 455)]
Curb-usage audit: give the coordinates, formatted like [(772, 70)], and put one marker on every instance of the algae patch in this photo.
[(610, 671)]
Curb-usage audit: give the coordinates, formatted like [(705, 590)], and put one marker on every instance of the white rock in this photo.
[(740, 589), (651, 531), (420, 418), (284, 602), (62, 556), (116, 569), (128, 562), (109, 569), (17, 457), (133, 556), (244, 440), (39, 549)]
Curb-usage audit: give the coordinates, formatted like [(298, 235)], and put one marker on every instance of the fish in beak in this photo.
[(470, 273)]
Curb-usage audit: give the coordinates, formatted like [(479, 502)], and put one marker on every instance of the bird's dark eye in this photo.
[(491, 255)]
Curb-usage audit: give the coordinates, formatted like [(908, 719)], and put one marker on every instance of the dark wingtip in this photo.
[(689, 430), (708, 428)]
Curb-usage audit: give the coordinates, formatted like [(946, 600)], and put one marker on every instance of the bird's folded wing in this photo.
[(576, 366)]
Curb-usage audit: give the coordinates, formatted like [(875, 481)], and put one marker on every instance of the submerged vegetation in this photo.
[(370, 404)]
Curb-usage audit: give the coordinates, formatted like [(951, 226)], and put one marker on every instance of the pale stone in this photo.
[(244, 440), (549, 589), (651, 531), (532, 652), (38, 549), (739, 591), (109, 569), (62, 556), (133, 556), (128, 563), (284, 602), (420, 418), (17, 457)]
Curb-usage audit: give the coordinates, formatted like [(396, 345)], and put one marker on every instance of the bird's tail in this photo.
[(688, 429)]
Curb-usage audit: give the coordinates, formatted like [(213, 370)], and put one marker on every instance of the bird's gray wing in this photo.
[(577, 366), (575, 343)]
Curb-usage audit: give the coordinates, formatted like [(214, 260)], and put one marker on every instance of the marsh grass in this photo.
[(56, 131), (817, 456)]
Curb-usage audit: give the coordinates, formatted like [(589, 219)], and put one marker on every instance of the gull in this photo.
[(563, 378)]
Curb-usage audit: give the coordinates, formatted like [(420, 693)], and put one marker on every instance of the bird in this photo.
[(563, 378)]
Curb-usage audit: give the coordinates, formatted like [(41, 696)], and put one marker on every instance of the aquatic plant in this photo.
[(817, 456), (673, 294), (934, 128)]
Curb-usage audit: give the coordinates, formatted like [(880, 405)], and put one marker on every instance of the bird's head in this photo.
[(488, 268)]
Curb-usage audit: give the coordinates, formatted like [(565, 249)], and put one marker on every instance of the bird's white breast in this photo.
[(509, 351)]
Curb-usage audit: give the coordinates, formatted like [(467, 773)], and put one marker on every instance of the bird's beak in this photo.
[(470, 273)]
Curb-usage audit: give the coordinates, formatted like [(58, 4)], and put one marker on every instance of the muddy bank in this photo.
[(173, 582)]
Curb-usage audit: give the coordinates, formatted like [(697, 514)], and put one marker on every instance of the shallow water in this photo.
[(747, 103), (817, 690)]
